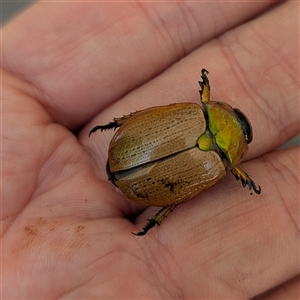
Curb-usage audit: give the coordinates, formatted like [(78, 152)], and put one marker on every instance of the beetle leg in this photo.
[(156, 219), (204, 85), (239, 174), (117, 122)]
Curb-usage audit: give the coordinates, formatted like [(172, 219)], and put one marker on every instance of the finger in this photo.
[(82, 57), (263, 86)]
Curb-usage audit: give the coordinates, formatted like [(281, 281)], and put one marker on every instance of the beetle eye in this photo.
[(246, 126)]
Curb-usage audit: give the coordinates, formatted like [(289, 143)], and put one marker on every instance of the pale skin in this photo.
[(66, 230)]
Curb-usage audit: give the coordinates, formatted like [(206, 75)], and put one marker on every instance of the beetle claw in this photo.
[(256, 188)]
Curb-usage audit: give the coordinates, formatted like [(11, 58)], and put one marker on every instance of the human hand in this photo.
[(66, 230)]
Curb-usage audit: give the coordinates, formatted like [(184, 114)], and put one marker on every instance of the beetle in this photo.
[(165, 155)]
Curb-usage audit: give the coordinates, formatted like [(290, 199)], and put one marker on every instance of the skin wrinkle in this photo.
[(46, 156), (236, 284), (152, 269), (71, 289), (157, 269), (223, 255), (221, 229), (159, 22), (38, 166), (183, 8), (275, 118), (234, 206), (215, 230), (29, 195), (224, 14), (207, 237), (236, 69), (40, 194), (248, 88), (216, 260), (52, 155), (281, 196), (186, 8), (95, 264), (265, 108)]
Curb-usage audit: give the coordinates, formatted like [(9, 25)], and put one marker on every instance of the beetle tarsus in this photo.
[(204, 85), (239, 174), (156, 219), (110, 125), (151, 223), (117, 122)]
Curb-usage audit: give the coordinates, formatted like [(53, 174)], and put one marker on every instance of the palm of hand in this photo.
[(66, 233)]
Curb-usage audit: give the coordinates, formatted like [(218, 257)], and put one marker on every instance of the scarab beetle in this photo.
[(166, 155)]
